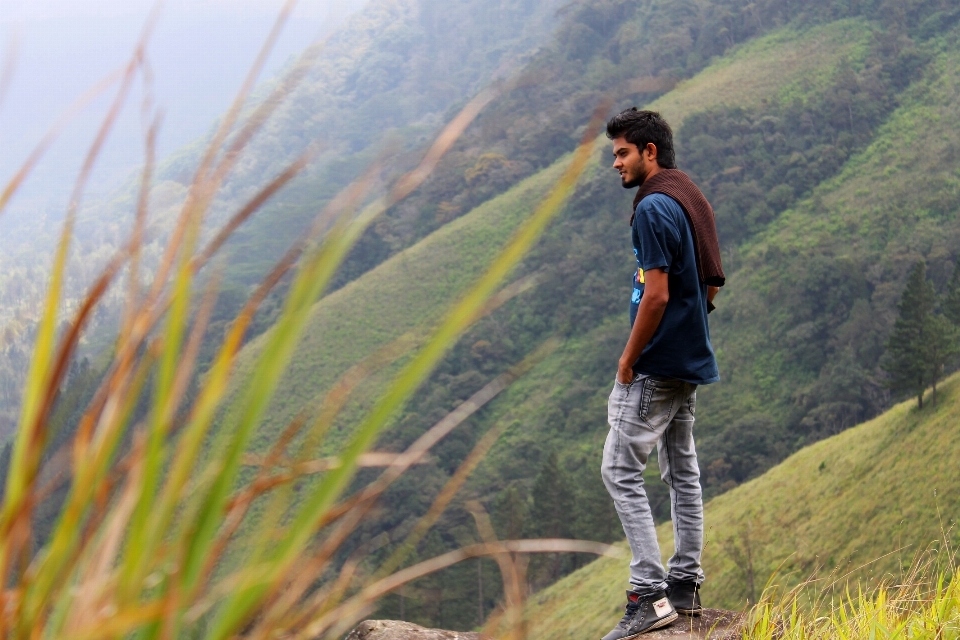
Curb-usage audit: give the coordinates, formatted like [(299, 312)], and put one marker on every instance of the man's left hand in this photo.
[(625, 373)]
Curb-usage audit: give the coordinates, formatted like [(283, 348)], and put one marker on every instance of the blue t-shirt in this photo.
[(680, 347)]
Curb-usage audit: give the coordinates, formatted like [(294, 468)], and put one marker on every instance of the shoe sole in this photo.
[(693, 613), (660, 624)]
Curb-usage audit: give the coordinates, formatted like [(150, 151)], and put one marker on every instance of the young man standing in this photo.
[(666, 357)]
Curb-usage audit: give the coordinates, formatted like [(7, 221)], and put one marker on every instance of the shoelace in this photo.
[(630, 612)]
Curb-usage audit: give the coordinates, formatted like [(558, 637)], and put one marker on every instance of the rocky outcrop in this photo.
[(714, 624), (396, 630)]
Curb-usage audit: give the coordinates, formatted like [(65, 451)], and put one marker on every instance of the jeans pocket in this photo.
[(624, 387), (657, 397)]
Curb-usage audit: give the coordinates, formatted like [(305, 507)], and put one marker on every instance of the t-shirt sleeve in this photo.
[(658, 233)]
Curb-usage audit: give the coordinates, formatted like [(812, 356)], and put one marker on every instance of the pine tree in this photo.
[(941, 345), (596, 518), (551, 515), (951, 301), (907, 347), (509, 514)]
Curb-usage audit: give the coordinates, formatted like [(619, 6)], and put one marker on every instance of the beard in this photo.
[(636, 182)]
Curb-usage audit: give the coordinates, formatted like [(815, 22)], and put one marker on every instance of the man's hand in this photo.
[(656, 293)]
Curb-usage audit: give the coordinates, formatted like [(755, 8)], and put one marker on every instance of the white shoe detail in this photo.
[(662, 607)]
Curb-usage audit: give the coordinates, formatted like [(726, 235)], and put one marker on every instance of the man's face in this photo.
[(629, 162)]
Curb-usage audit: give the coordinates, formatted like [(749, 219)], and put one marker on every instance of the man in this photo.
[(667, 355)]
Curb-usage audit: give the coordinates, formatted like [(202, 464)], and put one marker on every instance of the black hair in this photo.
[(641, 128)]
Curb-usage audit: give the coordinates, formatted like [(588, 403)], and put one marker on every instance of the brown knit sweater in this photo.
[(680, 187)]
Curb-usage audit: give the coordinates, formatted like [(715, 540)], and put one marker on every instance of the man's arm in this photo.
[(711, 292), (656, 294)]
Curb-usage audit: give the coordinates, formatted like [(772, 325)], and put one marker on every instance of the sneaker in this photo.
[(685, 597), (644, 613)]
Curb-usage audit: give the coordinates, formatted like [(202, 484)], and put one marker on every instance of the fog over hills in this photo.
[(198, 55)]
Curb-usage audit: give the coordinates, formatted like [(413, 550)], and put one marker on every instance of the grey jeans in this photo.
[(649, 411)]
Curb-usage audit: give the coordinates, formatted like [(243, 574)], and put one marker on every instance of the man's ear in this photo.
[(650, 151)]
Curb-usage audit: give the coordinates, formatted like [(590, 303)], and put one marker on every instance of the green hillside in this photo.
[(413, 287), (812, 375), (558, 406), (407, 292), (812, 298), (868, 497)]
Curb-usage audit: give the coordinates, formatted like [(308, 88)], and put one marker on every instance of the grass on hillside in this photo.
[(848, 515), (781, 65), (844, 251), (408, 292)]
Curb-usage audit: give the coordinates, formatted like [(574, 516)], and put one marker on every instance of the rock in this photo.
[(714, 624), (396, 630)]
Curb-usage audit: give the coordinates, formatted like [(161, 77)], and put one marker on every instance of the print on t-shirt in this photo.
[(680, 347)]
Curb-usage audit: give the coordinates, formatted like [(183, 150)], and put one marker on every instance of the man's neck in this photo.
[(654, 170)]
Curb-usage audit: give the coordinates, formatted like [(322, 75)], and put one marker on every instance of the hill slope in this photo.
[(813, 297), (559, 406), (766, 130), (406, 291), (379, 86), (800, 328), (799, 332), (877, 494)]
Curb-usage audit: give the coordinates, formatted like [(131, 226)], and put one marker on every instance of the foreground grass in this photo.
[(853, 512), (155, 496), (925, 607)]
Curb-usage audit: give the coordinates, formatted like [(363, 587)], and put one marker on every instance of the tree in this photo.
[(951, 300), (510, 514), (941, 345), (596, 517), (551, 516), (906, 349)]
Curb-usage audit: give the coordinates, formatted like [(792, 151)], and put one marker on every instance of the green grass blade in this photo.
[(28, 446), (309, 283), (141, 544), (302, 529)]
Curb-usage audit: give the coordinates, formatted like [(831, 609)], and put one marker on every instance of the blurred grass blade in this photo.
[(474, 458), (304, 524), (28, 444), (312, 278)]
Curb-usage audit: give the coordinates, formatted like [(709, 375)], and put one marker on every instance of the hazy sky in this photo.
[(199, 53), (14, 10)]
